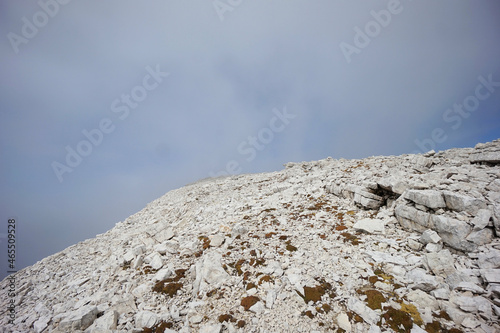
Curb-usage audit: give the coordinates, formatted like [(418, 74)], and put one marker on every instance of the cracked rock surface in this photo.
[(384, 244)]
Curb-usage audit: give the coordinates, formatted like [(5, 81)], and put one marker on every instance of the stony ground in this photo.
[(383, 244)]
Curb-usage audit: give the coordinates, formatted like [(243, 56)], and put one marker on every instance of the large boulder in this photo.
[(463, 203), (79, 319), (454, 232)]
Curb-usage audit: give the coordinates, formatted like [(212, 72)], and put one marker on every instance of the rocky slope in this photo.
[(384, 244)]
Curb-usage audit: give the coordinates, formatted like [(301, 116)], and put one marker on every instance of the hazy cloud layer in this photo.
[(389, 92)]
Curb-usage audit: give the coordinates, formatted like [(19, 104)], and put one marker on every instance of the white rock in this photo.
[(209, 273), (196, 319), (481, 237), (163, 274), (156, 261), (432, 247), (417, 329), (217, 240), (489, 259), (270, 298), (386, 258), (429, 198), (211, 328), (373, 329), (459, 202), (423, 300), (421, 280), (453, 232), (441, 263), (145, 319), (257, 308), (491, 275), (441, 293), (343, 322), (128, 257), (41, 323), (79, 319), (470, 323), (414, 244), (470, 286), (106, 322), (371, 226), (474, 304), (164, 235), (368, 315), (482, 219)]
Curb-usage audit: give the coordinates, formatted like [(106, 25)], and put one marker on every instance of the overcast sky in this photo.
[(107, 105)]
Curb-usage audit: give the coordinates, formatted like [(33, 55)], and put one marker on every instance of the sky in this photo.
[(107, 105)]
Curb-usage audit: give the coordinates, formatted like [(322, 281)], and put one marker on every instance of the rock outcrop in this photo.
[(385, 244)]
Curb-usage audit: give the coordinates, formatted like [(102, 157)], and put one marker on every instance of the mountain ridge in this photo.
[(393, 243)]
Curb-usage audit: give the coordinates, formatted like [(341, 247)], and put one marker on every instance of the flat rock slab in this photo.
[(371, 226)]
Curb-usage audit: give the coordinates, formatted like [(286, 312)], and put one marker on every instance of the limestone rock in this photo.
[(441, 263), (368, 315), (145, 319), (212, 328), (343, 322), (106, 322), (490, 259), (371, 226), (79, 319), (429, 198), (430, 236), (482, 219), (421, 280)]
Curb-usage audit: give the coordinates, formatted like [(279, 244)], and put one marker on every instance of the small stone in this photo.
[(196, 319), (441, 293), (368, 315), (469, 286), (432, 247), (429, 198), (156, 262), (79, 319), (481, 237), (441, 263), (257, 308), (470, 323), (211, 328), (371, 226), (145, 319), (482, 219), (163, 274), (270, 298), (217, 240), (106, 322), (491, 275), (430, 236), (414, 245), (490, 259), (41, 323), (421, 280), (343, 322)]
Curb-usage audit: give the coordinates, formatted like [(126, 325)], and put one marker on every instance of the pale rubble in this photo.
[(304, 249)]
